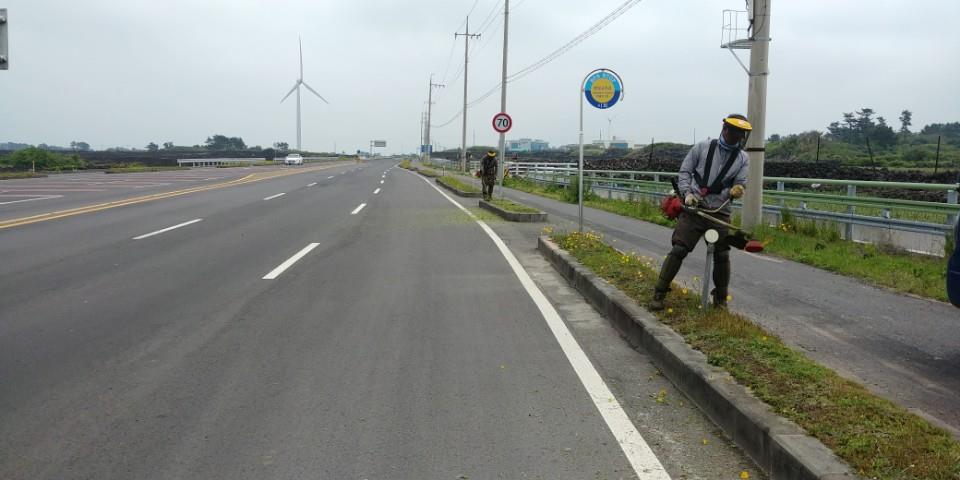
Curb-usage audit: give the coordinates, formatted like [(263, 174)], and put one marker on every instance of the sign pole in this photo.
[(503, 98), (603, 88), (580, 93)]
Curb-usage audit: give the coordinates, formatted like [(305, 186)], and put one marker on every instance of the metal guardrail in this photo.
[(213, 162), (656, 185)]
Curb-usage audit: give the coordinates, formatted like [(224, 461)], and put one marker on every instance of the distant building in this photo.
[(527, 145), (616, 143), (619, 143)]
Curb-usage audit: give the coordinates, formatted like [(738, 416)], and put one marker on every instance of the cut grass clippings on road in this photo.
[(813, 243), (876, 437)]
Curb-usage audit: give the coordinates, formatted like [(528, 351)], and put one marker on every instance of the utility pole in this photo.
[(757, 113), (429, 113), (466, 57), (4, 46), (423, 115), (503, 96)]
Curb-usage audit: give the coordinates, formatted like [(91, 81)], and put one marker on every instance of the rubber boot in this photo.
[(671, 265), (721, 279)]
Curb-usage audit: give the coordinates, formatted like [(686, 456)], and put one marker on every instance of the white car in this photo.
[(293, 159)]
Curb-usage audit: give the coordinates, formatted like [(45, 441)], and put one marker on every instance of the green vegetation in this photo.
[(15, 175), (813, 243), (879, 439), (512, 206), (863, 138), (405, 164), (40, 159), (459, 185), (819, 244)]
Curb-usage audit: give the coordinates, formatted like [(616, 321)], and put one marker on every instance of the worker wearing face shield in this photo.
[(713, 174)]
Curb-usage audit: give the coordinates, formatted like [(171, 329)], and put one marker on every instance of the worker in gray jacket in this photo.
[(711, 176)]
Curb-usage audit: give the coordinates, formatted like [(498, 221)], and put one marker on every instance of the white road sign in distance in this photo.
[(502, 122)]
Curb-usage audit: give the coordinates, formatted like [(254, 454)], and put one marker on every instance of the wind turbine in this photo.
[(296, 86)]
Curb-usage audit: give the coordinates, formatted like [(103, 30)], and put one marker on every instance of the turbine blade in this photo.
[(300, 42), (315, 92), (295, 85)]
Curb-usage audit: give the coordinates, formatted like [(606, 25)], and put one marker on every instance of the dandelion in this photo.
[(669, 310)]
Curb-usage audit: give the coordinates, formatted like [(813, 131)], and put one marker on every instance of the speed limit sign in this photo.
[(502, 122)]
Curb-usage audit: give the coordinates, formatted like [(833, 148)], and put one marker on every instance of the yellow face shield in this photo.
[(738, 123), (739, 129)]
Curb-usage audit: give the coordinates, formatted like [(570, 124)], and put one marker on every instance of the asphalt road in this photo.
[(902, 347), (359, 326)]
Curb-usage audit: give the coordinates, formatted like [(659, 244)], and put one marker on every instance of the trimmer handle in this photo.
[(676, 186)]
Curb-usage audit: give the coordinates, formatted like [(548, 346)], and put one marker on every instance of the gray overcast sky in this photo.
[(128, 72)]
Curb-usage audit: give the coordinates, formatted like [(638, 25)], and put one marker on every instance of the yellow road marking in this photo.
[(253, 177)]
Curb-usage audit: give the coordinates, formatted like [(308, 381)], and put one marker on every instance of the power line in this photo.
[(572, 43), (552, 56)]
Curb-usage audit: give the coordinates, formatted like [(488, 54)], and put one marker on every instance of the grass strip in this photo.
[(876, 437), (459, 185), (814, 243), (16, 175), (512, 206)]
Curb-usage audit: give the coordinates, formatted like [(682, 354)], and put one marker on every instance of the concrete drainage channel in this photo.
[(778, 446)]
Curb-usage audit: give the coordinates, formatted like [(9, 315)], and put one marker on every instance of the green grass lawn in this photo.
[(813, 243), (878, 438)]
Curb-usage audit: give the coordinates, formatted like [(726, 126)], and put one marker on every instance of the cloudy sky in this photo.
[(128, 72)]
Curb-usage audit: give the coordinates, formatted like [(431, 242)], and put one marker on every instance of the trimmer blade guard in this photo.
[(741, 241)]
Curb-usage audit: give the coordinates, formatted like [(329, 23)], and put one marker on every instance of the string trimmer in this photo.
[(737, 238)]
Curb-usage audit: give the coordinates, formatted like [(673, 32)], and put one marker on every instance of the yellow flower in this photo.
[(669, 310), (685, 291), (744, 475)]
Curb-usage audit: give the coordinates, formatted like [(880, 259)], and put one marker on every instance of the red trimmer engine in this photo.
[(671, 206)]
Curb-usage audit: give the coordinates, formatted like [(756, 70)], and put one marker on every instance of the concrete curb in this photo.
[(458, 192), (514, 216), (779, 446)]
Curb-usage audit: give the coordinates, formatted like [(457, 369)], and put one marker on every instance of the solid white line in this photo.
[(290, 261), (41, 197), (644, 462), (331, 176), (158, 232), (271, 197), (357, 210), (376, 191), (311, 184)]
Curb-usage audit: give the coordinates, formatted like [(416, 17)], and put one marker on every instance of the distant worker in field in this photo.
[(711, 176), (488, 172)]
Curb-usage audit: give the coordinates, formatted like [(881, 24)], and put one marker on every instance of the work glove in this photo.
[(736, 191), (691, 200)]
